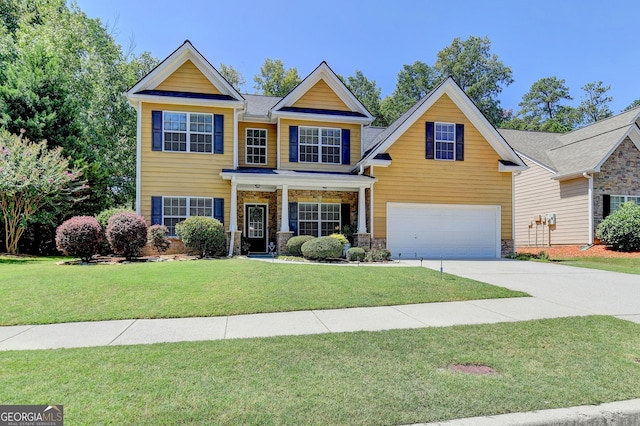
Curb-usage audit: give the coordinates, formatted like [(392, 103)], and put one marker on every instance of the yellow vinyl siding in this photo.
[(188, 78), (321, 96), (538, 194), (413, 179), (272, 144), (284, 146), (184, 174)]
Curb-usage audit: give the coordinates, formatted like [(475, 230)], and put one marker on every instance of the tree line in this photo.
[(62, 79)]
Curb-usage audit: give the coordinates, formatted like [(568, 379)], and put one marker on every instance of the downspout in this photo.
[(590, 196)]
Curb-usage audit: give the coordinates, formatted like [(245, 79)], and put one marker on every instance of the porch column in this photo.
[(362, 214), (284, 214)]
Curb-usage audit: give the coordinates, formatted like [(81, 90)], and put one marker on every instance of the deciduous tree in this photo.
[(233, 76), (274, 79), (368, 93)]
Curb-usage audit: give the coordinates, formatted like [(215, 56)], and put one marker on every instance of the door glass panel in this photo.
[(256, 222)]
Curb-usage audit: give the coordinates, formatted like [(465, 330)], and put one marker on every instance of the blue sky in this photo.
[(579, 41)]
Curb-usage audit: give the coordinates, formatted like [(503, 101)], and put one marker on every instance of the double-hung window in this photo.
[(320, 145), (256, 146), (318, 219), (445, 140), (187, 132), (177, 209)]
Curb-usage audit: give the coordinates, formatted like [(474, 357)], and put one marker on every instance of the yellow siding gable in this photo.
[(184, 174), (413, 179), (321, 96), (188, 78)]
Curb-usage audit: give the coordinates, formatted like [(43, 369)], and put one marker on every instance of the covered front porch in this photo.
[(270, 206)]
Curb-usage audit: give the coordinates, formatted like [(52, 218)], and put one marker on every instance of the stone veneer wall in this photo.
[(619, 175), (507, 247)]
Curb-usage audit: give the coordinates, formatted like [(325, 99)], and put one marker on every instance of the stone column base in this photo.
[(281, 241), (237, 241), (363, 240), (507, 248)]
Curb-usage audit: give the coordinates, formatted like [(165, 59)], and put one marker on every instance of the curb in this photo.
[(621, 413)]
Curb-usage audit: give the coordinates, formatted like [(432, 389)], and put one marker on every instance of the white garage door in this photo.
[(448, 230)]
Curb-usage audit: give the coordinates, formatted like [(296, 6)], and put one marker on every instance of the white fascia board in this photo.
[(185, 101), (537, 163), (298, 179), (573, 175), (319, 117), (503, 168)]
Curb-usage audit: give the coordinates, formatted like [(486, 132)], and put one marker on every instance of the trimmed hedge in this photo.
[(294, 244), (127, 234), (322, 248), (157, 238), (204, 235), (80, 236), (378, 255), (621, 229), (356, 254)]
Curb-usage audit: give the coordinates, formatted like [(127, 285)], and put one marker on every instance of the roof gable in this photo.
[(450, 88), (185, 61), (323, 77)]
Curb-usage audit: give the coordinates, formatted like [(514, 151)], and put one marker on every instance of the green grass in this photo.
[(615, 264), (37, 291), (372, 378)]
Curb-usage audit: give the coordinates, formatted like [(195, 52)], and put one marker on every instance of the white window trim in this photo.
[(435, 141), (188, 207), (320, 145), (266, 146), (320, 221), (625, 198), (188, 151)]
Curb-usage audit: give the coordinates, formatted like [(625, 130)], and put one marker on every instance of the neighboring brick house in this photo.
[(579, 177), (437, 182)]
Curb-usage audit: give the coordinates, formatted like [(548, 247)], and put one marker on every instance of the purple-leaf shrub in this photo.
[(127, 234), (79, 236)]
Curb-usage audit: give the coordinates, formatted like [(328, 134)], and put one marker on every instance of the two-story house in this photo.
[(437, 182)]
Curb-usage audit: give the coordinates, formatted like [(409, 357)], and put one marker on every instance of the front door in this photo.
[(255, 219)]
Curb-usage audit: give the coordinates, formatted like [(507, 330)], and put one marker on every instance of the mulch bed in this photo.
[(567, 252)]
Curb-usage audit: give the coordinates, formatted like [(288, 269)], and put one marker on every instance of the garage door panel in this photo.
[(449, 231)]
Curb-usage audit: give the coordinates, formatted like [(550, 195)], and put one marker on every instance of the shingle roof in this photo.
[(581, 150), (260, 105)]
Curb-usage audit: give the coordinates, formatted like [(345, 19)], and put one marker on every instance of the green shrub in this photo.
[(378, 255), (80, 237), (356, 254), (294, 245), (157, 238), (621, 229), (322, 248), (204, 235), (127, 234)]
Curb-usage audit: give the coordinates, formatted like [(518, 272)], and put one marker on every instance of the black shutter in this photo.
[(156, 210), (293, 218), (345, 214), (218, 134), (218, 209), (459, 142), (156, 130), (606, 205), (429, 138), (346, 146), (293, 144)]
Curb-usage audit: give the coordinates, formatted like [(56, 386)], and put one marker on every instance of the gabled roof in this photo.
[(146, 88), (581, 151), (357, 112), (384, 139)]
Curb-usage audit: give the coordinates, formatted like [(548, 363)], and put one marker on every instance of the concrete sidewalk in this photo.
[(146, 331)]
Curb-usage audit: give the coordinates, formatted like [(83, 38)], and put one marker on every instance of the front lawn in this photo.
[(37, 291), (626, 265), (369, 378)]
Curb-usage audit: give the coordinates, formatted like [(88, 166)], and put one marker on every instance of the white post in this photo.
[(284, 225), (362, 215), (233, 213)]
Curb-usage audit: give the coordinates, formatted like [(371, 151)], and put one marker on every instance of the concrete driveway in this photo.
[(588, 290)]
